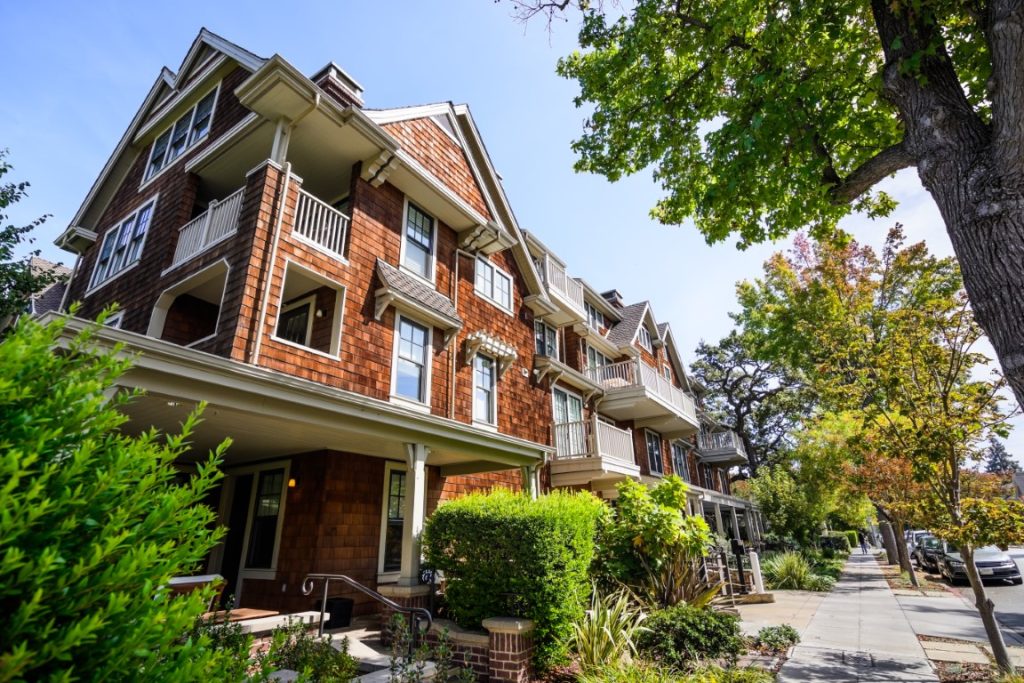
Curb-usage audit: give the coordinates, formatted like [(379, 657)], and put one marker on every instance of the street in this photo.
[(1009, 600)]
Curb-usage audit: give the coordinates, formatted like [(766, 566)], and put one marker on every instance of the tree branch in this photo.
[(865, 176)]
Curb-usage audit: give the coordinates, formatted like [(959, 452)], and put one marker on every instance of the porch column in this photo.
[(735, 524), (529, 475), (718, 520), (415, 506)]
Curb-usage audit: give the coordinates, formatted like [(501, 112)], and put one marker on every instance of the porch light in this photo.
[(292, 483)]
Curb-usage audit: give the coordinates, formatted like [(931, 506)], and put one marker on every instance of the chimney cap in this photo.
[(614, 297)]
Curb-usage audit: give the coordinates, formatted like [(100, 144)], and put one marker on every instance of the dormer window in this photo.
[(418, 243), (644, 337), (192, 127)]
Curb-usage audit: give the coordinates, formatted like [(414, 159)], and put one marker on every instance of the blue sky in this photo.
[(75, 73)]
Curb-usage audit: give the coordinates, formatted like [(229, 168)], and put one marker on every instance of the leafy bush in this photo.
[(683, 636), (777, 638), (314, 657), (94, 524), (649, 544), (794, 572), (646, 672), (836, 540), (606, 633), (504, 554), (405, 669), (854, 538)]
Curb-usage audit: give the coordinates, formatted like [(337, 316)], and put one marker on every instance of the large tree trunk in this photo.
[(888, 540), (973, 169), (986, 608), (901, 547)]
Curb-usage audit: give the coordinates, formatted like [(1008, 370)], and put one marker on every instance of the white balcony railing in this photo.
[(320, 224), (216, 223), (721, 441), (595, 438), (633, 373), (559, 281)]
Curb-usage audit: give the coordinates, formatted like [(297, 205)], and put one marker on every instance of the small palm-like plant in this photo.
[(607, 632), (792, 570)]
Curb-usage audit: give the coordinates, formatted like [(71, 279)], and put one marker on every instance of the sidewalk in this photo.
[(859, 633)]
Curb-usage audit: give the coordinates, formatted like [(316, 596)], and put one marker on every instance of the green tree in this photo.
[(762, 400), (18, 281), (93, 523), (760, 118), (998, 460)]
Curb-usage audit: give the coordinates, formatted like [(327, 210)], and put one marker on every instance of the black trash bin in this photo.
[(340, 610)]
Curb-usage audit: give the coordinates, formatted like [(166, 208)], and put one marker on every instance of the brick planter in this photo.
[(510, 649)]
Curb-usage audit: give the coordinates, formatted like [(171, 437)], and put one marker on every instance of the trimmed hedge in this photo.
[(683, 636), (854, 538), (504, 554), (836, 540)]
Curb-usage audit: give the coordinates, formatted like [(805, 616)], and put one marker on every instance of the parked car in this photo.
[(992, 563), (927, 552)]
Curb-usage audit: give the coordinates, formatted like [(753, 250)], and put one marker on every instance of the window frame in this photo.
[(308, 301), (245, 572), (660, 471), (428, 351), (133, 245), (684, 471), (536, 339), (389, 467), (598, 353), (496, 272), (644, 338), (490, 420), (591, 311), (431, 277), (169, 161)]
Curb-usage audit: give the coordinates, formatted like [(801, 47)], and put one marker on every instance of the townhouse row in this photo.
[(349, 292)]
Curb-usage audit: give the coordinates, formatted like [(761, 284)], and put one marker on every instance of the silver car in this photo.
[(992, 563)]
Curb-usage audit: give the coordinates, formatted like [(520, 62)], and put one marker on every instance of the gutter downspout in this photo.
[(277, 232), (453, 347)]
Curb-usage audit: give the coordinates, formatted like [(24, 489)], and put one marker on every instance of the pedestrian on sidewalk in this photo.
[(863, 545)]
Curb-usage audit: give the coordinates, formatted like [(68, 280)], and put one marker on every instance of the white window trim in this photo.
[(558, 341), (685, 474), (308, 301), (432, 280), (661, 453), (643, 334), (493, 422), (567, 392), (271, 573), (598, 352), (421, 406), (147, 180), (496, 270), (337, 331), (114, 320), (389, 467), (96, 286), (587, 307)]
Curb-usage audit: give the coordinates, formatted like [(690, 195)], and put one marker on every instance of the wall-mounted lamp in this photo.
[(292, 483), (319, 312)]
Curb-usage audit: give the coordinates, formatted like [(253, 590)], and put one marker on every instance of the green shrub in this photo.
[(504, 554), (793, 571), (777, 638), (94, 524), (645, 672), (854, 538), (683, 636), (836, 540), (313, 657), (607, 632)]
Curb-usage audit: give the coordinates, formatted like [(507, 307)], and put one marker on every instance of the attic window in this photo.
[(192, 127), (644, 337)]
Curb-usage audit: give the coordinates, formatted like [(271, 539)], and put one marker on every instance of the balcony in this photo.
[(589, 451), (564, 291), (217, 223), (721, 448), (636, 391), (320, 225)]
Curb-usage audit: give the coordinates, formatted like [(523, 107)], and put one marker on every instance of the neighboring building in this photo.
[(51, 296), (1018, 485), (349, 291)]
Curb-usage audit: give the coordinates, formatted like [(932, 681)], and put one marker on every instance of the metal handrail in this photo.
[(415, 613)]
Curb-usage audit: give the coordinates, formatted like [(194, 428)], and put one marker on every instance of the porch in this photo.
[(589, 451)]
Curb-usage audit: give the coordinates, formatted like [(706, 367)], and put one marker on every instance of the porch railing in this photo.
[(593, 438), (721, 441), (320, 223), (632, 373), (216, 223), (558, 280)]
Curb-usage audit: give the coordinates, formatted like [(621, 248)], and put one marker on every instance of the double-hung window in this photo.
[(596, 359), (494, 284), (595, 318), (654, 451), (122, 245), (295, 322), (644, 337), (412, 360), (192, 127), (264, 520), (546, 338), (394, 520), (418, 243), (679, 460), (485, 389)]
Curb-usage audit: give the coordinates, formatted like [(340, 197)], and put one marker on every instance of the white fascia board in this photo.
[(165, 356), (421, 111)]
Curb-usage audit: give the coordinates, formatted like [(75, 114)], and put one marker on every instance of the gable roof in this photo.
[(633, 316), (160, 93)]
